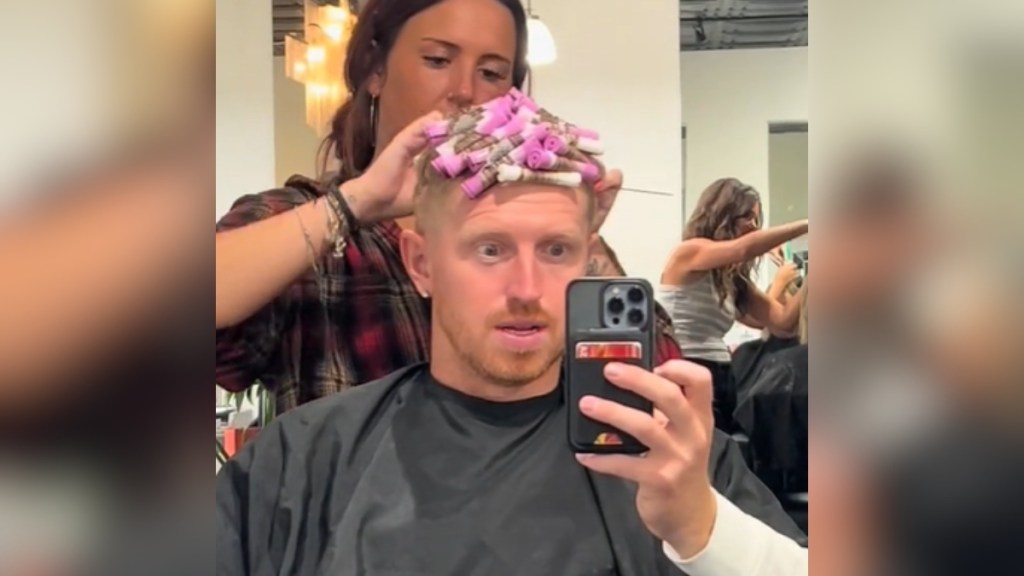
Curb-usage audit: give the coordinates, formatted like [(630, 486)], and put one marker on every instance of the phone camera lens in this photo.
[(635, 295), (635, 317), (616, 305)]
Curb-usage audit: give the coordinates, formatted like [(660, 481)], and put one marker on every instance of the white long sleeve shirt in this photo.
[(742, 545)]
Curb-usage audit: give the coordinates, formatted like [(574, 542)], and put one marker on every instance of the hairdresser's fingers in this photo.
[(606, 190), (612, 181), (413, 138)]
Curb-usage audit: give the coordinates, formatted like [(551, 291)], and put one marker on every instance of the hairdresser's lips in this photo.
[(522, 335)]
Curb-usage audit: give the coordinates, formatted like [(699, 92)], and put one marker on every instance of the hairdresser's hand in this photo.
[(786, 274), (607, 190), (385, 190), (674, 496)]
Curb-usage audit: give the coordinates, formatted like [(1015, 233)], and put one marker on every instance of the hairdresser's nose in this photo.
[(525, 279), (460, 91)]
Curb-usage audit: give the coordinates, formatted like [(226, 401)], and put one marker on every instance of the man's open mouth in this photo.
[(521, 328)]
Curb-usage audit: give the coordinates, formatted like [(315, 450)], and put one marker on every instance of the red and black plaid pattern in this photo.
[(374, 321)]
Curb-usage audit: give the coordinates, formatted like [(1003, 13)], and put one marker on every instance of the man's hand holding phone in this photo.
[(675, 499)]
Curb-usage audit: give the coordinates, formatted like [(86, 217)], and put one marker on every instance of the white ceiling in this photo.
[(727, 24)]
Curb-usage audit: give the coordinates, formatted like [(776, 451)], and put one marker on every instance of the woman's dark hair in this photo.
[(351, 139), (721, 206)]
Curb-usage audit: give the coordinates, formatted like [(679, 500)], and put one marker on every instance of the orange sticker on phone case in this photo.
[(609, 350), (608, 439)]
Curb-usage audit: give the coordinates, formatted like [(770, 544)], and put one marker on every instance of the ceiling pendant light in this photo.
[(541, 47)]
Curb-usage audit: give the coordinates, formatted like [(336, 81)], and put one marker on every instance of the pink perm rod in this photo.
[(556, 144), (583, 133), (477, 183), (492, 120), (436, 130), (513, 127), (450, 165)]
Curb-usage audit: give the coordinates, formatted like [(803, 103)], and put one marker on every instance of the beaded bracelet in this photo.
[(340, 219)]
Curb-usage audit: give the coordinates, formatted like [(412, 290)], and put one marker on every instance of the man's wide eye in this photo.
[(558, 250), (489, 251)]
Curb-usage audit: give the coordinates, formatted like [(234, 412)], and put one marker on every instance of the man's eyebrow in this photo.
[(456, 47), (476, 234), (562, 235)]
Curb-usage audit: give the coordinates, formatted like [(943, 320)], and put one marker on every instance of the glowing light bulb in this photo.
[(333, 31), (335, 14), (315, 54), (541, 48)]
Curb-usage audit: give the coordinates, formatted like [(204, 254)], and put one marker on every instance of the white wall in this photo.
[(294, 141), (618, 73), (787, 176), (245, 100), (729, 98)]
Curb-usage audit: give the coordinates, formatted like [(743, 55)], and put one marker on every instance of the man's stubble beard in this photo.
[(502, 368)]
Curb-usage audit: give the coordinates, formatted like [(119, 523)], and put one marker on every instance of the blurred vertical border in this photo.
[(106, 299), (917, 142)]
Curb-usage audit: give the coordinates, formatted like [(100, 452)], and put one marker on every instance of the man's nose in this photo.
[(524, 283)]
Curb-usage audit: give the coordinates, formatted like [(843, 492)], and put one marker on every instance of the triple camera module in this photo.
[(625, 305)]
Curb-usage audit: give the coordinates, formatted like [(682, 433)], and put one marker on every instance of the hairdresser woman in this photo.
[(290, 312)]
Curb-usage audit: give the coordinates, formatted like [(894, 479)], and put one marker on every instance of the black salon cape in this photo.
[(404, 477)]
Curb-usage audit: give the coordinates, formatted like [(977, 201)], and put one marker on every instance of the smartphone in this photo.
[(607, 320), (800, 259)]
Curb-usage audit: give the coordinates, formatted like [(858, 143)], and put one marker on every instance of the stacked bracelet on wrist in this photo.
[(340, 219)]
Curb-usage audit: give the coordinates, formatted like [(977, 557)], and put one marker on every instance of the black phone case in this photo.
[(585, 376)]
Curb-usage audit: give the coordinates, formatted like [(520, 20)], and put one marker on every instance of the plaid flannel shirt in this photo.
[(375, 321)]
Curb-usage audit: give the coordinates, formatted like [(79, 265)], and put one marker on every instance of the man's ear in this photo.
[(417, 263)]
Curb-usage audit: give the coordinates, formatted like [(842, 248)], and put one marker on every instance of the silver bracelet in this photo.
[(309, 246), (318, 273), (337, 225)]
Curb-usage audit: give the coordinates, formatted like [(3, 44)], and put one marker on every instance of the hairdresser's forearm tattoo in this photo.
[(603, 262)]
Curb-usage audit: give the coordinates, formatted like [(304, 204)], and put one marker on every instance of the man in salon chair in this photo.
[(462, 466)]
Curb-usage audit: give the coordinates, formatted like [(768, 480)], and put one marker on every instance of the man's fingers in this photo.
[(666, 395), (640, 425), (632, 468), (660, 417), (695, 382)]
